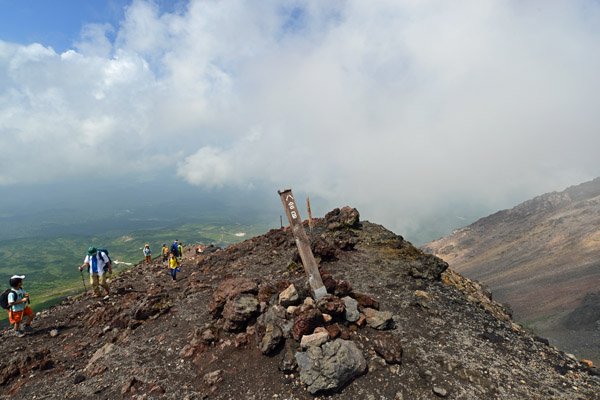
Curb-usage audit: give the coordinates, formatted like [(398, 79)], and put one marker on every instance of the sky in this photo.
[(405, 109)]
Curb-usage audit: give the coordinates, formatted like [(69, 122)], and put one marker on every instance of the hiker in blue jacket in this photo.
[(175, 248)]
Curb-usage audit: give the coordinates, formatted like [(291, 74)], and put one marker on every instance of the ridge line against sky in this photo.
[(397, 107)]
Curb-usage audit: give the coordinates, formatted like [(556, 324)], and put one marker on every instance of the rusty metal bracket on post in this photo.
[(303, 244)]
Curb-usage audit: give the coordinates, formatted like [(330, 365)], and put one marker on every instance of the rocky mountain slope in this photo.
[(543, 258), (240, 324)]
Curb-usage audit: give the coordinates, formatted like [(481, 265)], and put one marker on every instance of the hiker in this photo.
[(165, 253), (173, 266), (18, 301), (180, 251), (147, 254), (99, 266), (175, 248)]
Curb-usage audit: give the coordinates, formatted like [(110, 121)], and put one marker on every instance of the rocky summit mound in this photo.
[(241, 323)]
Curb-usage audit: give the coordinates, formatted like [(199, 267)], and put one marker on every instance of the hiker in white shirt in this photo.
[(99, 266)]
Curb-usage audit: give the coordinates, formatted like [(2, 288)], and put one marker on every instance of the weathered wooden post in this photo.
[(308, 260), (310, 223)]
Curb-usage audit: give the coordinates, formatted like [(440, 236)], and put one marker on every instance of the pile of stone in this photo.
[(315, 334)]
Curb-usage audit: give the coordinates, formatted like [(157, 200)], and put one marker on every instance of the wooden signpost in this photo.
[(308, 260), (310, 222)]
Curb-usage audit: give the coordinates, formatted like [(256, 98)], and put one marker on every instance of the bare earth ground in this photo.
[(143, 342)]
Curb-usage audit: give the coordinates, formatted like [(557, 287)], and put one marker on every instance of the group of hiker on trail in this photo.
[(171, 256), (98, 263), (174, 258)]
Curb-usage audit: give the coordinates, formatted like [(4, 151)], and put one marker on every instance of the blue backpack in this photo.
[(98, 251), (175, 249)]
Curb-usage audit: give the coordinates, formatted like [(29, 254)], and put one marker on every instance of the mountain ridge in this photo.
[(542, 257), (211, 333)]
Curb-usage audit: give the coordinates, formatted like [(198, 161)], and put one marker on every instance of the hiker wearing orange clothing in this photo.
[(18, 301), (147, 254)]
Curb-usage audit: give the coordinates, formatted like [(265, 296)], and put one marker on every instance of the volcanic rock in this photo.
[(230, 289), (332, 305), (306, 322), (316, 339), (380, 320), (330, 366), (238, 311), (271, 329), (346, 217), (388, 347), (351, 309), (289, 297), (365, 300)]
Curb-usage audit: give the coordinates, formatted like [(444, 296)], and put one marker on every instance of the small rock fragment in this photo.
[(439, 391), (212, 378)]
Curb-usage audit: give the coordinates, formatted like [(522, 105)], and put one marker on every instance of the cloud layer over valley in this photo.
[(395, 107)]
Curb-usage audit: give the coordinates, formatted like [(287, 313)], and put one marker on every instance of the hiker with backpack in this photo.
[(165, 253), (99, 264), (175, 248), (147, 254), (17, 303)]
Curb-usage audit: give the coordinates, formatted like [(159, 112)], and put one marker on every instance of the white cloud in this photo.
[(393, 106), (208, 167)]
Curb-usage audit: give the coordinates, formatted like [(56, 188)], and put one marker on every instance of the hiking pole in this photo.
[(83, 280)]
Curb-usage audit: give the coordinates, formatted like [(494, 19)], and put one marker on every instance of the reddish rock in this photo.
[(365, 301), (334, 331), (343, 288), (388, 347), (266, 291), (332, 305), (306, 322), (328, 282)]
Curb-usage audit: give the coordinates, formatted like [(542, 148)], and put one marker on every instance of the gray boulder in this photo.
[(238, 311), (271, 329), (331, 366), (428, 267), (352, 313)]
